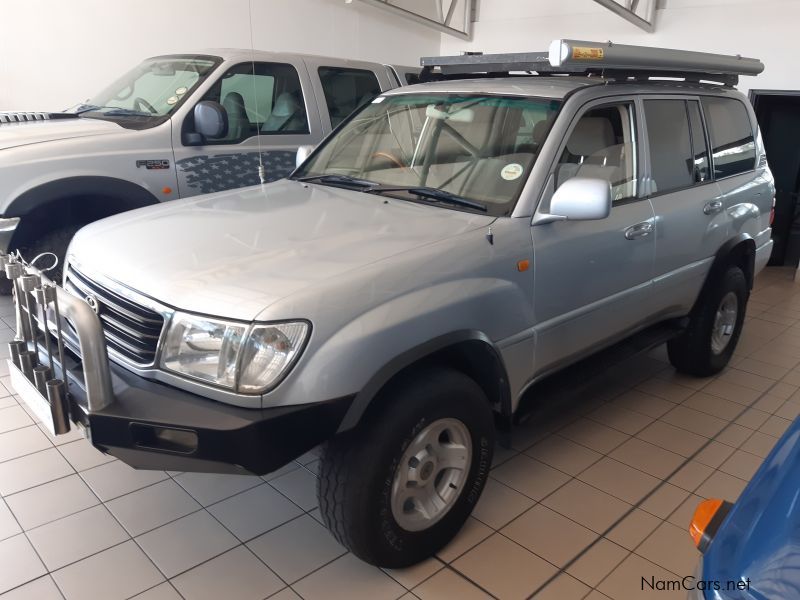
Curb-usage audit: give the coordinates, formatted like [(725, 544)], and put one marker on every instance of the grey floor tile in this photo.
[(563, 454), (251, 513), (504, 568), (20, 442), (297, 548), (163, 591), (119, 572), (335, 582), (530, 477), (235, 575), (51, 501), (563, 587), (151, 507), (43, 588), (13, 417), (597, 561), (20, 563), (620, 480), (77, 536), (185, 543), (410, 577), (448, 584), (82, 455), (300, 486), (499, 504), (472, 533), (209, 488), (35, 469), (116, 478), (8, 524), (587, 505)]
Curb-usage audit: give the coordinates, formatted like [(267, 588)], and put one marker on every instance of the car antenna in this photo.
[(262, 174)]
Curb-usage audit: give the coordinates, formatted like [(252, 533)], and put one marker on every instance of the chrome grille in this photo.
[(130, 329)]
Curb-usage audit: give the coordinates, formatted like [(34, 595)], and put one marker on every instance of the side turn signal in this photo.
[(708, 516)]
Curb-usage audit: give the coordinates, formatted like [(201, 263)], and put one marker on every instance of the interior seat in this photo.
[(287, 115), (238, 123)]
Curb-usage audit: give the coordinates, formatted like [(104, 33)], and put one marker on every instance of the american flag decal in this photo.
[(205, 174)]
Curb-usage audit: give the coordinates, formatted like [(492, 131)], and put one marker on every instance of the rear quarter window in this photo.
[(732, 140)]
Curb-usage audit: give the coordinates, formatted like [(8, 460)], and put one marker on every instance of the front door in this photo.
[(592, 279), (271, 112)]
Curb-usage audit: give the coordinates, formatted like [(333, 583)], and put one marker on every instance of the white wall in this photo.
[(54, 54), (765, 29)]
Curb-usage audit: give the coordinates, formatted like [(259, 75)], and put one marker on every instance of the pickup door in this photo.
[(277, 105)]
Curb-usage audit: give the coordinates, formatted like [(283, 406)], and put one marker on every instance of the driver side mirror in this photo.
[(578, 199), (210, 121)]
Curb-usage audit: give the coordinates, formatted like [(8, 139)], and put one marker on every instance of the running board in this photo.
[(570, 381)]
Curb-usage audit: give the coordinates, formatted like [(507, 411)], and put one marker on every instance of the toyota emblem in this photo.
[(93, 303)]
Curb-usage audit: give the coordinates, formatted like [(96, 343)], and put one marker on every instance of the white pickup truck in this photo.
[(136, 142)]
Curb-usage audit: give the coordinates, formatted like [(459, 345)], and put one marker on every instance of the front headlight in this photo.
[(232, 355)]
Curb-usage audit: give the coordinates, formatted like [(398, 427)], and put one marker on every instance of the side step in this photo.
[(568, 382)]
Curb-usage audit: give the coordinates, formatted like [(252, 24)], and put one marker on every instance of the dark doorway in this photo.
[(778, 114)]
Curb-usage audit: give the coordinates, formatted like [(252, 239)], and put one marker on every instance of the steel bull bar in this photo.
[(39, 373)]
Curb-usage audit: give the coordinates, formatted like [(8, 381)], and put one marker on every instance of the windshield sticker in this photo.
[(379, 99), (172, 100), (180, 91), (511, 171)]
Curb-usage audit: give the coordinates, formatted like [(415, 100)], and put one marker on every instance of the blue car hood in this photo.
[(759, 540)]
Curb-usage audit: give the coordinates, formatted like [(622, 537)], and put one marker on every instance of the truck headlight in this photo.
[(242, 358)]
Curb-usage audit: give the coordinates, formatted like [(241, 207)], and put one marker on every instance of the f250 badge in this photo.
[(152, 164)]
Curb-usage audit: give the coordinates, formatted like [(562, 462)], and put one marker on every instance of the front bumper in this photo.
[(146, 424)]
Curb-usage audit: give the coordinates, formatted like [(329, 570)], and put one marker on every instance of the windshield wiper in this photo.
[(113, 111), (434, 194), (342, 180)]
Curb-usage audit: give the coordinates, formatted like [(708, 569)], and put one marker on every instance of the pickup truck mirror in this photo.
[(210, 119), (578, 199), (302, 154)]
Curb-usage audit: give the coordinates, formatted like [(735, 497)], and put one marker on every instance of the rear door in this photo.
[(691, 220), (341, 86), (271, 110)]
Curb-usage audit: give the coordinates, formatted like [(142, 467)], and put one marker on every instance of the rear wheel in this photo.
[(708, 343), (400, 486)]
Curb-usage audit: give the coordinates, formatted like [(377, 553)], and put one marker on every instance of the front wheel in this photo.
[(706, 347), (57, 242), (400, 486)]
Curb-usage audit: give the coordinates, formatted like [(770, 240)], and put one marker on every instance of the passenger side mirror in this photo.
[(578, 199), (210, 119), (303, 153)]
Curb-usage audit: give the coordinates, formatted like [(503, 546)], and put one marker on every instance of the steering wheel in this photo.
[(139, 103), (390, 157)]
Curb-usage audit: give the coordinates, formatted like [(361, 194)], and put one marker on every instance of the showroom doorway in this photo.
[(778, 114)]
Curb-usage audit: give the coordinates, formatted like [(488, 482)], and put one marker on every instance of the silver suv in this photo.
[(450, 246)]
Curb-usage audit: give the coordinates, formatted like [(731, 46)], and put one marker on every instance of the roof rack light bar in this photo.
[(583, 57)]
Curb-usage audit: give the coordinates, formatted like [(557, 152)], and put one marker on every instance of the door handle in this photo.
[(712, 207), (639, 230)]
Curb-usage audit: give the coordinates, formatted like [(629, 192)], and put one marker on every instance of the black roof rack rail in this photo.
[(612, 61)]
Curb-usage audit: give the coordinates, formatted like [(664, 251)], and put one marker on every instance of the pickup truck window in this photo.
[(150, 91), (267, 101), (478, 147), (347, 89)]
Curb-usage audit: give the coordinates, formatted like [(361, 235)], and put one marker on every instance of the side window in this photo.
[(267, 101), (732, 141), (670, 140), (602, 145), (702, 165), (346, 89)]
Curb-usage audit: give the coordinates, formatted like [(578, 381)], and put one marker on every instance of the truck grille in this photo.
[(131, 330)]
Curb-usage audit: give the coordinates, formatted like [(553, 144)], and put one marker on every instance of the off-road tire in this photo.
[(691, 352), (358, 467), (57, 242)]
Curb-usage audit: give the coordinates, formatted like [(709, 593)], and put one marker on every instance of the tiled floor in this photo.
[(596, 494)]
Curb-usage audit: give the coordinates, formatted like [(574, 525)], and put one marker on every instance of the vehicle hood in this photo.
[(760, 538), (233, 254), (35, 132)]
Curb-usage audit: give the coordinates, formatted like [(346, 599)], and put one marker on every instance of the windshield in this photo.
[(152, 90), (477, 147)]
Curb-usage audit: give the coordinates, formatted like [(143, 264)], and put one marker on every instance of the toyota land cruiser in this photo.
[(451, 245)]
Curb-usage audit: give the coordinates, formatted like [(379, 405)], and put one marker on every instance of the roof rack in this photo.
[(612, 61)]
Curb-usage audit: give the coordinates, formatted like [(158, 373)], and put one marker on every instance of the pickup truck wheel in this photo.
[(398, 487), (714, 329)]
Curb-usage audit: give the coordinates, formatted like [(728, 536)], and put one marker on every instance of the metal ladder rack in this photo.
[(606, 59)]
